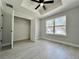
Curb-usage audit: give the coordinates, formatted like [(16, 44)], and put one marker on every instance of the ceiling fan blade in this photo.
[(44, 7), (35, 1), (48, 2), (41, 1), (37, 6)]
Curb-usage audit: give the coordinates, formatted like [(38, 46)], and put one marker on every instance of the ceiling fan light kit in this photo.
[(42, 2)]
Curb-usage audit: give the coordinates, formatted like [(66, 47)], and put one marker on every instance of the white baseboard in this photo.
[(21, 39), (6, 44), (66, 43)]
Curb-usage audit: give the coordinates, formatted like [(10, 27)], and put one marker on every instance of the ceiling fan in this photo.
[(42, 2)]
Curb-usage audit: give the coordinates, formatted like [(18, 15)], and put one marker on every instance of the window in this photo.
[(49, 26), (56, 26)]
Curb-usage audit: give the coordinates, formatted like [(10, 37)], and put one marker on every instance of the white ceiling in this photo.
[(67, 4), (26, 8), (31, 6), (21, 11)]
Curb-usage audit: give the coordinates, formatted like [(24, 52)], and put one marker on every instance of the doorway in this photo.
[(21, 29)]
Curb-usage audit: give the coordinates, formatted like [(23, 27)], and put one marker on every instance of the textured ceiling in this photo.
[(31, 6), (21, 11), (26, 8), (50, 7), (66, 4)]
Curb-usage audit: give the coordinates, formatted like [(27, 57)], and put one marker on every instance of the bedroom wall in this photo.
[(72, 27), (8, 18), (0, 24), (35, 27), (21, 29)]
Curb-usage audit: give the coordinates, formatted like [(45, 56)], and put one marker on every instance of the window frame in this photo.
[(50, 26), (59, 25)]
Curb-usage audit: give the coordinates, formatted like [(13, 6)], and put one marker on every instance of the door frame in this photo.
[(12, 30)]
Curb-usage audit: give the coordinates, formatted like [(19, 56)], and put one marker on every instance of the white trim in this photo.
[(12, 28), (65, 43)]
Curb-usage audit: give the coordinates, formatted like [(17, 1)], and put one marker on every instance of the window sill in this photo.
[(56, 34)]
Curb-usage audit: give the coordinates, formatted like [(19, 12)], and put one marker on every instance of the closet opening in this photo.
[(22, 29)]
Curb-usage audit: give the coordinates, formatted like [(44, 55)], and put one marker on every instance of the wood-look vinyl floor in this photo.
[(40, 50)]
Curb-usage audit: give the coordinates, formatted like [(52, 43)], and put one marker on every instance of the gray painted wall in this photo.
[(72, 27), (8, 16), (21, 29), (6, 28), (37, 22), (35, 29), (0, 23)]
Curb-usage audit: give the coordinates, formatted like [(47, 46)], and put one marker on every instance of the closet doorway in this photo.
[(22, 28)]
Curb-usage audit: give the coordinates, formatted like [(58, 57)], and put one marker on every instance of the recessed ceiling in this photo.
[(66, 4), (31, 6), (19, 10), (27, 7)]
